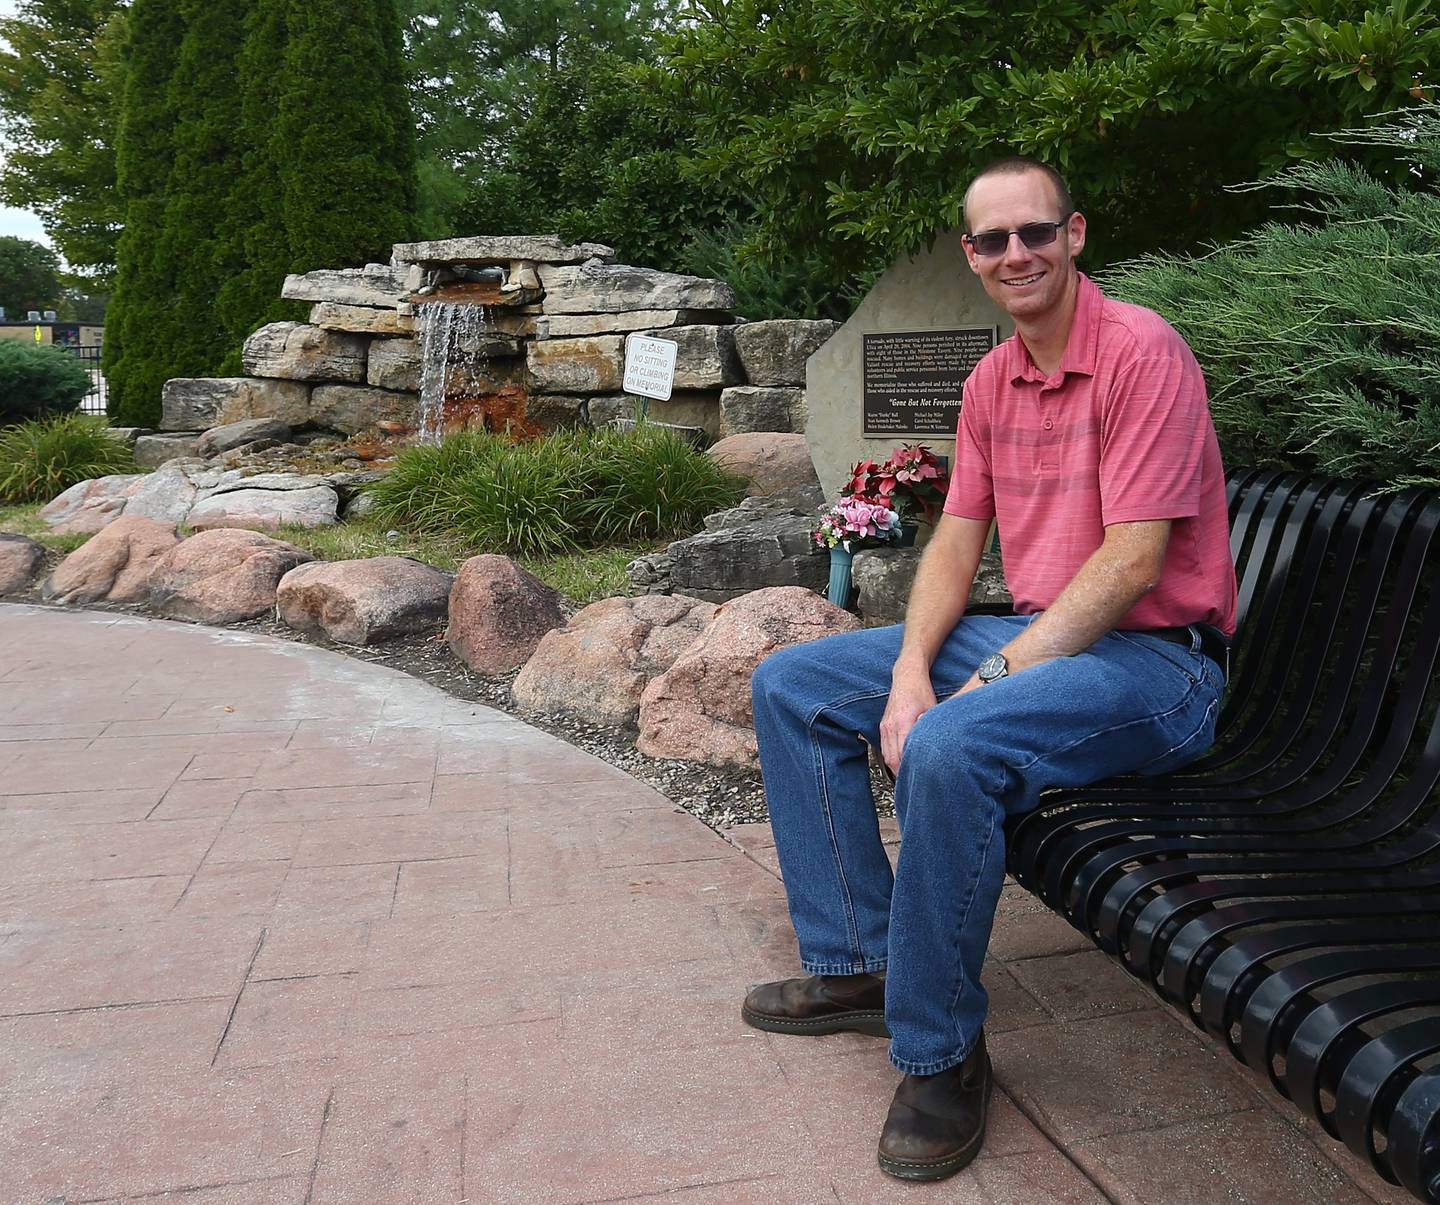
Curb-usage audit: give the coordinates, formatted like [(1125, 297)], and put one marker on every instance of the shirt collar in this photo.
[(1080, 348)]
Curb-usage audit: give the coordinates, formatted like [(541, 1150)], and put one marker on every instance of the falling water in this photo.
[(451, 333)]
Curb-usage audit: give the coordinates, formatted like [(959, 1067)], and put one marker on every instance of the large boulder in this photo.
[(199, 403), (774, 352), (699, 709), (222, 576), (597, 666), (749, 408), (499, 248), (704, 356), (20, 560), (116, 565), (395, 364), (884, 577), (297, 351), (379, 285), (151, 451), (268, 501), (770, 460), (88, 506), (597, 288), (364, 601), (237, 435), (351, 409), (760, 544), (594, 365), (169, 493), (498, 614)]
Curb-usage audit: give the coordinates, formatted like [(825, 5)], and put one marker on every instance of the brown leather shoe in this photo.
[(819, 1004), (937, 1122)]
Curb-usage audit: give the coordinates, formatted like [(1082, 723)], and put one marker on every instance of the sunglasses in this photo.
[(1033, 234)]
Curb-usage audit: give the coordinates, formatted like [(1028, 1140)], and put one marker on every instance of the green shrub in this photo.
[(36, 381), (40, 459), (1320, 339), (573, 490)]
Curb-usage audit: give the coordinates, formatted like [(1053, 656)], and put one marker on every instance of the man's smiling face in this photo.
[(1027, 284)]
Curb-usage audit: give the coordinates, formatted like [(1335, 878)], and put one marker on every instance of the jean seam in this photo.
[(847, 902), (963, 921)]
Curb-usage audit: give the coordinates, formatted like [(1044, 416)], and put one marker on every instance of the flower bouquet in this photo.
[(912, 482), (852, 524)]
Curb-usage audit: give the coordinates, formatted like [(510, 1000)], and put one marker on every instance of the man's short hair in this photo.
[(1016, 165)]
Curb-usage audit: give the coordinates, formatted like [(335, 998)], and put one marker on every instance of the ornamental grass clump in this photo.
[(571, 490), (1320, 339), (43, 458)]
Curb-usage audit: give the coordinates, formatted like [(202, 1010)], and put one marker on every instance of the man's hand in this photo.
[(911, 696)]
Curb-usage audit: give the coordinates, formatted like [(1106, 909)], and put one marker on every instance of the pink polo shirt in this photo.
[(1120, 434)]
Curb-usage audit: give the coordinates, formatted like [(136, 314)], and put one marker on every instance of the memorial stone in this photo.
[(926, 322)]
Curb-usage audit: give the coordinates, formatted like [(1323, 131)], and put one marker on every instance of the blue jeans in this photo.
[(1129, 703)]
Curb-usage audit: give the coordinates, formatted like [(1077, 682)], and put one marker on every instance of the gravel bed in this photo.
[(719, 798)]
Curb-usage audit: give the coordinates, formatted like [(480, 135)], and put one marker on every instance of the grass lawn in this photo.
[(583, 576)]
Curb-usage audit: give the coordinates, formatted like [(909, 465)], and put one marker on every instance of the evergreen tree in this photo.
[(254, 237), (347, 168), (135, 366), (206, 160), (256, 139)]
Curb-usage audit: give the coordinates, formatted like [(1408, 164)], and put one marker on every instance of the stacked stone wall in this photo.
[(554, 346)]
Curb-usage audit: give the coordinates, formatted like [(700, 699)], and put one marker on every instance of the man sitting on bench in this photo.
[(1087, 436)]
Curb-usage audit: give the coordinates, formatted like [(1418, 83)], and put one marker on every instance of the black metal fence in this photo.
[(94, 402)]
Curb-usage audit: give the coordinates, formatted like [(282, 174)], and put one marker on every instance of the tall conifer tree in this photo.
[(347, 167), (258, 137), (144, 281)]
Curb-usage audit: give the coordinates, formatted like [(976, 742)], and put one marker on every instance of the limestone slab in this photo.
[(380, 285), (563, 326), (594, 365), (199, 403), (499, 249), (297, 351), (361, 319), (351, 409), (394, 364), (599, 288)]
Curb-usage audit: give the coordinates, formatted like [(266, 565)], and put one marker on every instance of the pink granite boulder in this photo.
[(115, 565), (597, 666), (498, 613), (88, 506), (222, 576), (364, 601), (20, 560), (770, 460), (699, 709)]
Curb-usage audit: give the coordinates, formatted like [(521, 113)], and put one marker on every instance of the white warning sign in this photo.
[(650, 366)]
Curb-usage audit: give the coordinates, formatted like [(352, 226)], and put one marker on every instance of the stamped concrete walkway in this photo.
[(277, 926)]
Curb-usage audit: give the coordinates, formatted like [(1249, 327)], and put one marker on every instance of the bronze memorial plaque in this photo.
[(913, 379)]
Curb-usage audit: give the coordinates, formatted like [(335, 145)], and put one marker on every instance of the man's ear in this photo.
[(1076, 226), (970, 255)]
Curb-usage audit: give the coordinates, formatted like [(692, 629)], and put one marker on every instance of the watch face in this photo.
[(994, 666)]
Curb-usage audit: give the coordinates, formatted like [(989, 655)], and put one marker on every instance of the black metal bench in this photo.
[(1284, 890)]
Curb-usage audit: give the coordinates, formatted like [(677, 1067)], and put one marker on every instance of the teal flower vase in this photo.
[(908, 532), (841, 563)]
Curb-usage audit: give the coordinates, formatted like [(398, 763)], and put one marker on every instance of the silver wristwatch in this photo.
[(993, 667)]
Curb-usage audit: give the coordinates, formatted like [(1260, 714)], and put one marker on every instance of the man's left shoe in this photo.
[(936, 1123)]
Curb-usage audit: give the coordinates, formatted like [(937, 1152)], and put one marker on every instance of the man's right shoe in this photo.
[(819, 1004)]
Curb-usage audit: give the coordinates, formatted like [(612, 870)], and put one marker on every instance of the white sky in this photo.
[(18, 222)]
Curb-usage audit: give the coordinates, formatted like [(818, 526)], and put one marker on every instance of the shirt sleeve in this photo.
[(972, 489), (1152, 445)]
